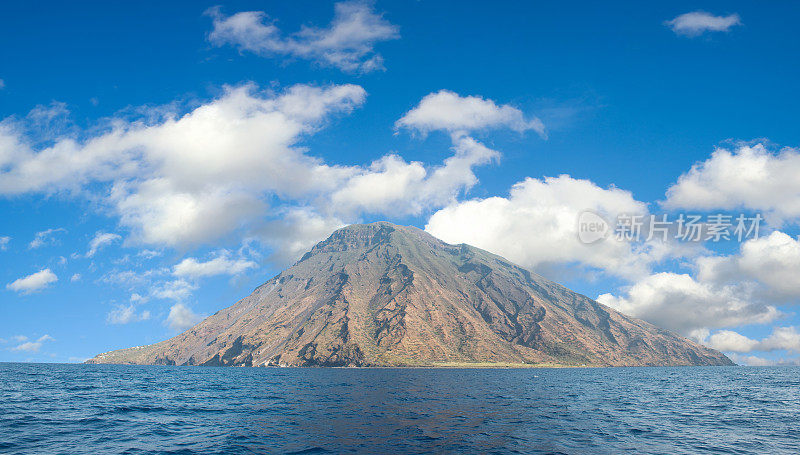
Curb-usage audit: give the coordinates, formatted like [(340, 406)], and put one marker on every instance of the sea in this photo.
[(99, 409)]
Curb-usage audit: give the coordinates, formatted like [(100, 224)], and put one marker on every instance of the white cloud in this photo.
[(730, 341), (33, 282), (295, 232), (182, 317), (194, 178), (750, 177), (31, 346), (177, 290), (348, 43), (727, 291), (781, 339), (223, 264), (46, 237), (773, 262), (680, 303), (180, 181), (698, 22), (101, 240), (446, 110), (75, 277), (536, 225), (158, 213), (386, 179), (391, 184), (132, 279), (4, 241), (125, 314), (151, 284)]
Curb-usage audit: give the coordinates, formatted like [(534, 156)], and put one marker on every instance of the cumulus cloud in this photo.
[(159, 213), (536, 225), (235, 165), (748, 177), (223, 264), (4, 241), (772, 263), (33, 282), (727, 290), (730, 341), (101, 240), (698, 22), (408, 188), (348, 43), (125, 314), (682, 304), (31, 346), (75, 277), (46, 237), (183, 180), (781, 339), (446, 110), (182, 317)]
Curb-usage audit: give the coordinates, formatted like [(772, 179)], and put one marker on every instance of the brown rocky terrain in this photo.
[(385, 295)]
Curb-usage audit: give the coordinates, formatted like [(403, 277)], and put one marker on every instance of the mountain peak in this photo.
[(377, 227), (359, 236)]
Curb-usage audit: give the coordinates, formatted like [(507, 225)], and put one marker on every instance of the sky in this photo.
[(159, 161)]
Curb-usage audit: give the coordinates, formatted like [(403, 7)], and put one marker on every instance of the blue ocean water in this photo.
[(90, 409)]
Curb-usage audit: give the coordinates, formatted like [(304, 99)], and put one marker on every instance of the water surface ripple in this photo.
[(90, 409)]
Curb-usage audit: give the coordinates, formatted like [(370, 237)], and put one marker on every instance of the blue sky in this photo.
[(201, 147)]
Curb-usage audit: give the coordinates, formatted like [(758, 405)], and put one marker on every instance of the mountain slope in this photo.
[(380, 294)]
